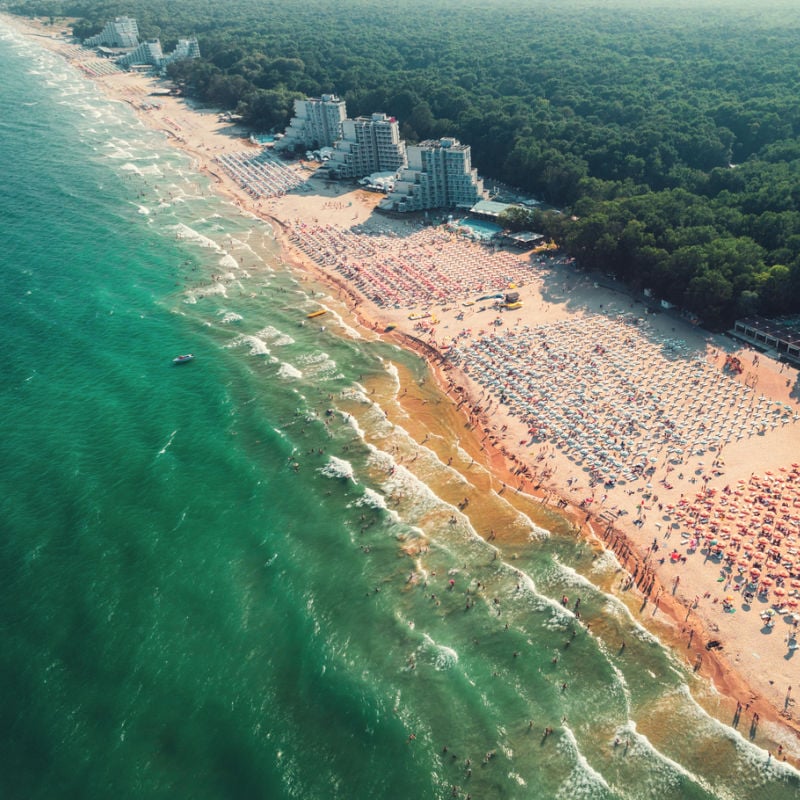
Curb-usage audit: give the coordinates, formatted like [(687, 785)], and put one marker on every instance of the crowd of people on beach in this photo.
[(261, 174), (427, 267), (749, 533), (613, 398)]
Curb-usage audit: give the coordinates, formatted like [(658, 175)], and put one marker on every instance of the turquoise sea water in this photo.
[(185, 613)]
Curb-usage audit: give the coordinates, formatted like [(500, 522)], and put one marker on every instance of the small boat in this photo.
[(316, 313), (183, 359)]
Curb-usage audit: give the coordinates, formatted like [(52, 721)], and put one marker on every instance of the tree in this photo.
[(708, 295)]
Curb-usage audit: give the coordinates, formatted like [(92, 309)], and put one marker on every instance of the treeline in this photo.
[(670, 135)]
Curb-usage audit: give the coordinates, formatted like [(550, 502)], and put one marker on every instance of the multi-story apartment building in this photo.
[(122, 32), (317, 122), (439, 175), (186, 48), (368, 144), (148, 52)]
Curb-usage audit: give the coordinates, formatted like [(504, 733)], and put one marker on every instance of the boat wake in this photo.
[(168, 444)]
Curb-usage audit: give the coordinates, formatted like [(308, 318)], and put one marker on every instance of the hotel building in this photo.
[(317, 122), (122, 32), (439, 175), (150, 53), (368, 144)]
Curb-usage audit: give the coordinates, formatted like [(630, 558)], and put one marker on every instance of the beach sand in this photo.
[(755, 666)]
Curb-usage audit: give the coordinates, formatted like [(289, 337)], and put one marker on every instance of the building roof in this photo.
[(771, 328), (490, 207), (525, 237)]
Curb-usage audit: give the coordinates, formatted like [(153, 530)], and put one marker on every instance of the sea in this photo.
[(270, 572)]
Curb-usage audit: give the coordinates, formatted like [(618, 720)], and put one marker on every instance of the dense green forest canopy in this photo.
[(668, 131)]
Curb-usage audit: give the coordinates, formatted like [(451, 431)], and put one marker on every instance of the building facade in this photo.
[(148, 52), (186, 48), (766, 334), (439, 175), (368, 144), (317, 122), (122, 32), (151, 53)]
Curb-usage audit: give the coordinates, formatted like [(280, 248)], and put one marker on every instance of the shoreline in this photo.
[(501, 456), (674, 629)]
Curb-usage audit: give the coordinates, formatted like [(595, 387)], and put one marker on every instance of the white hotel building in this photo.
[(439, 175), (368, 144), (122, 32), (317, 122)]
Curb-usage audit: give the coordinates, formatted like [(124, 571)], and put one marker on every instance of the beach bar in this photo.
[(768, 335)]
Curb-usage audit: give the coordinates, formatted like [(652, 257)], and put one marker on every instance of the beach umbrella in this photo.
[(779, 592)]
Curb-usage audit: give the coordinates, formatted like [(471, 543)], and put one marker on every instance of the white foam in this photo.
[(288, 371), (318, 365), (229, 316), (193, 295), (606, 562), (584, 782), (392, 370), (372, 499), (228, 261), (572, 576), (185, 232), (257, 346), (275, 337), (671, 778), (351, 332), (414, 491), (356, 394), (620, 676), (338, 468), (515, 776), (758, 768), (353, 423), (443, 657)]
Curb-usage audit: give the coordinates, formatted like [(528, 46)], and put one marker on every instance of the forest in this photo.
[(667, 133)]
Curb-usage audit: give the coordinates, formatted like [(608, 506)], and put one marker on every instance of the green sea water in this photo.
[(247, 577)]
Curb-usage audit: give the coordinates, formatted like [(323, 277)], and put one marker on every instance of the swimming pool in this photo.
[(479, 228)]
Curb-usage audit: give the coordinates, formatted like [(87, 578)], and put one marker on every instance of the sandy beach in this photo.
[(676, 448)]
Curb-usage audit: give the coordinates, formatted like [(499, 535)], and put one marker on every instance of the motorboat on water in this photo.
[(183, 359)]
